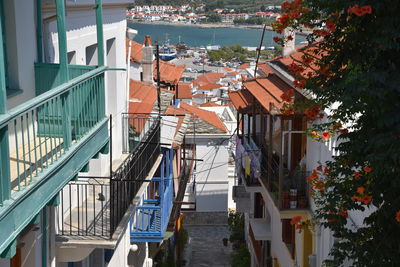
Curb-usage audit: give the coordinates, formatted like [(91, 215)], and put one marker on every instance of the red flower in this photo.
[(319, 168), (367, 169), (298, 226), (277, 39), (357, 175), (398, 216), (366, 200), (344, 131), (367, 9), (361, 190), (355, 198), (344, 214), (295, 220), (326, 134), (359, 11)]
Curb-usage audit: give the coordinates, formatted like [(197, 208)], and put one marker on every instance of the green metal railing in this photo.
[(42, 130)]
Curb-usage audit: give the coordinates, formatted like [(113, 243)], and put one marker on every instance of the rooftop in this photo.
[(184, 91), (169, 73)]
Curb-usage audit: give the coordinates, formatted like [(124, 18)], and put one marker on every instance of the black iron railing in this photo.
[(94, 206)]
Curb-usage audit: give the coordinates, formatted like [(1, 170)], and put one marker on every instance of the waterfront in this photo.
[(200, 36)]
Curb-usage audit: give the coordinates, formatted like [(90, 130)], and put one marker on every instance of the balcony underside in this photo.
[(26, 202)]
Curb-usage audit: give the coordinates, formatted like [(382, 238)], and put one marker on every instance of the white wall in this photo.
[(211, 173)]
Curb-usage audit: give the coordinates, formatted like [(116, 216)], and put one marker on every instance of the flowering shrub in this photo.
[(352, 68)]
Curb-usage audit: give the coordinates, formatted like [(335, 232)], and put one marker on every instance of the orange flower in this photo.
[(315, 134), (361, 190), (319, 185), (295, 220), (298, 226), (366, 200), (326, 134), (344, 214), (319, 168), (355, 198), (367, 169), (398, 216), (357, 175)]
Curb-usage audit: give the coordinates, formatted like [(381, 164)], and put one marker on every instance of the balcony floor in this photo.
[(31, 159), (90, 219)]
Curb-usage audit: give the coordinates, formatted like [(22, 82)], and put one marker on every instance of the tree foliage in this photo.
[(228, 53), (353, 69), (254, 21)]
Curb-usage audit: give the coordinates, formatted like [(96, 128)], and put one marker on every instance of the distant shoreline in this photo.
[(207, 25), (202, 25)]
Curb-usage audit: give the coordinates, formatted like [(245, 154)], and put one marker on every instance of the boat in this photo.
[(167, 52), (181, 47)]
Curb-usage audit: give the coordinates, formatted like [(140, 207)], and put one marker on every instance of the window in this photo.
[(71, 57), (91, 55)]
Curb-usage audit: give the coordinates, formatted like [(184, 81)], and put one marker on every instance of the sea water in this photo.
[(197, 36)]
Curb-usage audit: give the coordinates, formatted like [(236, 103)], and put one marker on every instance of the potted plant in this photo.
[(225, 241)]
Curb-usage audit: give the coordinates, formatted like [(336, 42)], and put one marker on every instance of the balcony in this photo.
[(241, 198), (97, 209), (46, 142), (248, 163), (151, 217), (295, 198)]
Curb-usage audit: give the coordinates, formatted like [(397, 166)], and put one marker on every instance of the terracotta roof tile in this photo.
[(234, 73), (264, 68), (207, 116), (227, 69), (136, 51), (210, 104), (207, 78), (241, 99), (144, 96), (169, 73), (244, 66), (267, 90), (198, 95), (184, 91)]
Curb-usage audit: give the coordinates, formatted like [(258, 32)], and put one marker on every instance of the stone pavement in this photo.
[(207, 249)]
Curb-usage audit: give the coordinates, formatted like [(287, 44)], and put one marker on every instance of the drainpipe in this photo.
[(39, 30), (44, 237)]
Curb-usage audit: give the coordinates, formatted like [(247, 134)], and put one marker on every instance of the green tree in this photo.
[(354, 69), (213, 17)]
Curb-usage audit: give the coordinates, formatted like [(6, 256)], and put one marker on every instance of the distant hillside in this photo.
[(242, 5)]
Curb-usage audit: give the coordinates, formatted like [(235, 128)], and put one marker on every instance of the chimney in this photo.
[(289, 46), (147, 60)]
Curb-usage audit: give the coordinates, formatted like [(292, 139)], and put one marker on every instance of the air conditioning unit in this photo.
[(312, 260)]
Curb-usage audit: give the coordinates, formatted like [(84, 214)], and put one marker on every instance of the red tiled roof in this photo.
[(227, 69), (234, 73), (210, 86), (207, 78), (198, 95), (208, 116), (297, 56), (169, 73), (184, 91), (145, 95), (264, 68), (241, 99), (267, 90), (136, 50), (244, 66), (210, 104)]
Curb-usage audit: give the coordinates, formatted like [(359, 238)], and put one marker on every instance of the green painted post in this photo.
[(5, 188), (99, 29), (39, 30), (10, 251), (62, 41), (64, 75)]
